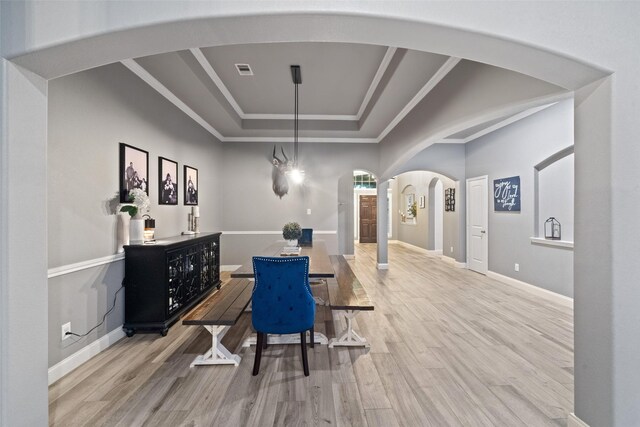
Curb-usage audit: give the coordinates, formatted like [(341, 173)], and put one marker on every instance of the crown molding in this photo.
[(301, 139), (433, 81), (208, 68), (382, 68), (137, 69)]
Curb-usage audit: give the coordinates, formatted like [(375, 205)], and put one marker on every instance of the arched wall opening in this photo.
[(365, 229), (25, 96), (431, 225)]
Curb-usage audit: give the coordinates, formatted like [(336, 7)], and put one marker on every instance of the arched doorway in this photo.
[(31, 102)]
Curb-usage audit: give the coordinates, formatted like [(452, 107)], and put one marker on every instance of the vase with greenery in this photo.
[(292, 232), (139, 205)]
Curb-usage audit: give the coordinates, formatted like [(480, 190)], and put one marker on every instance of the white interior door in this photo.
[(477, 222)]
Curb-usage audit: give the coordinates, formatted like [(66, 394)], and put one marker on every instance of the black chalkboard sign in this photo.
[(506, 194)]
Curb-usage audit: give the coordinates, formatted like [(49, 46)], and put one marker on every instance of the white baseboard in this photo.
[(229, 267), (62, 368), (574, 421), (349, 256), (543, 293), (383, 266), (435, 251), (453, 262)]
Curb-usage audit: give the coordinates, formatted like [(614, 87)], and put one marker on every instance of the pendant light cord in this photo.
[(295, 129)]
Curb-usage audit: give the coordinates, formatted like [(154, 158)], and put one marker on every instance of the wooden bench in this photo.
[(347, 294), (217, 313)]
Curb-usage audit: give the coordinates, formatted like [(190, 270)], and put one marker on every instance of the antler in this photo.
[(276, 157), (285, 156)]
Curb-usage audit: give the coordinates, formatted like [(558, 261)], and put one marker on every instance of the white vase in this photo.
[(136, 231), (122, 230), (293, 242)]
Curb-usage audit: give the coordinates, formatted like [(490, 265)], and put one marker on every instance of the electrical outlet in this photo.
[(66, 328), (451, 249), (308, 211), (516, 267)]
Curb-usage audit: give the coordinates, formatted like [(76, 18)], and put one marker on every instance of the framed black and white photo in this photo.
[(190, 185), (168, 180), (134, 171), (450, 200)]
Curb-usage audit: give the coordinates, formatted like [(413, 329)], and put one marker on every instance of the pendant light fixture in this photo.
[(297, 175)]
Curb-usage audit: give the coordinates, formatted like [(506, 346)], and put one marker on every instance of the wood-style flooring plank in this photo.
[(449, 347)]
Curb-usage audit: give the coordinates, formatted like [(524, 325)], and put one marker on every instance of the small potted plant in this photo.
[(291, 232), (413, 209)]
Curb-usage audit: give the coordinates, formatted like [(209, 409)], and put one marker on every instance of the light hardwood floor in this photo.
[(448, 347)]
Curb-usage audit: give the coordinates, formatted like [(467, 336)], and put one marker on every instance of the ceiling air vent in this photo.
[(244, 69)]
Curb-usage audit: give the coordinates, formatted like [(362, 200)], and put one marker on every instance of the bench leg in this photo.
[(349, 337), (217, 354)]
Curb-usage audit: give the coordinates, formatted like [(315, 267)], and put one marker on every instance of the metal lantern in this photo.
[(552, 229)]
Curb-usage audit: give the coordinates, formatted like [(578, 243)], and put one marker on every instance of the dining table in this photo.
[(319, 262)]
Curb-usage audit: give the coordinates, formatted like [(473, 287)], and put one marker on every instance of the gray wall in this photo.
[(89, 114), (249, 203), (513, 151)]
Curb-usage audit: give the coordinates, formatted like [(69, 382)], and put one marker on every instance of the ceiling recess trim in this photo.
[(433, 81), (137, 69), (162, 90), (197, 53), (503, 123), (300, 139), (376, 80), (208, 68)]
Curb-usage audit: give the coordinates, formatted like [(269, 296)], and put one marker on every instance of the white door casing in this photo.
[(477, 224)]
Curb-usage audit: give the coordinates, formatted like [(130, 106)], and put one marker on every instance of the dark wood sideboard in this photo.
[(164, 280)]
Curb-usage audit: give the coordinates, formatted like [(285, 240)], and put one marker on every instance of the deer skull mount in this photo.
[(279, 175)]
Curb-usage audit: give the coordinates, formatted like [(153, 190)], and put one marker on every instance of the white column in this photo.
[(23, 248), (383, 225)]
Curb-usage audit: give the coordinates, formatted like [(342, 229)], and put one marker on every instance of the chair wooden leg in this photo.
[(303, 344), (266, 341), (312, 336), (256, 361)]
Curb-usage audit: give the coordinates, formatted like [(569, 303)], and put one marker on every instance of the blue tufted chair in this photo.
[(282, 302)]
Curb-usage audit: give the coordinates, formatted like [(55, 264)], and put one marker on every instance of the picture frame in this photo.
[(450, 200), (422, 202), (506, 194), (167, 181), (410, 199), (190, 186), (134, 170)]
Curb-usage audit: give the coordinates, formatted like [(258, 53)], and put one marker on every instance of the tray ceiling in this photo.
[(349, 92)]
